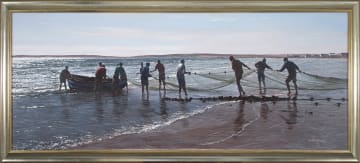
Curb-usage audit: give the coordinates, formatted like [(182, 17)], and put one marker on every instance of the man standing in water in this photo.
[(123, 76), (141, 68), (237, 67), (145, 74), (291, 67), (100, 75), (180, 74), (64, 75), (161, 69), (260, 66), (116, 83)]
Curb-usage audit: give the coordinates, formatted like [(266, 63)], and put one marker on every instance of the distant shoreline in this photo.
[(205, 55)]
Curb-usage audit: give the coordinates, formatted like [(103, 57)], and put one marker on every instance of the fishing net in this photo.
[(305, 81), (213, 79), (194, 81)]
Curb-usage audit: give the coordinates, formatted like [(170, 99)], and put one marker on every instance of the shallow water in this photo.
[(44, 118)]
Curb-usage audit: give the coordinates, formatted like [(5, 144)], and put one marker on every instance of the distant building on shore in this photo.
[(345, 54), (324, 55)]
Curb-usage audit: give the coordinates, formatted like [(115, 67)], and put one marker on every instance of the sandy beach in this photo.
[(244, 125)]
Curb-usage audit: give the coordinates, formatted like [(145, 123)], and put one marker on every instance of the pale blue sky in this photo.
[(131, 34)]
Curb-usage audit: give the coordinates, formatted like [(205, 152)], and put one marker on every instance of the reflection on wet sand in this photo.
[(146, 110), (184, 108), (99, 108), (120, 105), (163, 106), (264, 111), (65, 110), (162, 95), (291, 118), (145, 101), (145, 97), (240, 120)]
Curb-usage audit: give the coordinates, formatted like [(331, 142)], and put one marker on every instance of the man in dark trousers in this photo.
[(118, 84), (145, 74), (261, 66), (291, 67), (100, 75), (161, 69), (64, 75), (237, 67)]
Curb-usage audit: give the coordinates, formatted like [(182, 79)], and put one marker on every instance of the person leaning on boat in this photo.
[(64, 75), (116, 82), (123, 77), (100, 75)]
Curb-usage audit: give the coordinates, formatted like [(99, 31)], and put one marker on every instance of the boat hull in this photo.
[(84, 83)]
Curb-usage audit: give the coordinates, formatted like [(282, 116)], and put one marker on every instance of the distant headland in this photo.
[(208, 55)]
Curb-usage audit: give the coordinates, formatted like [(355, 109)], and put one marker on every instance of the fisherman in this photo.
[(161, 69), (181, 71), (64, 75), (116, 83), (261, 66), (145, 74), (237, 67), (100, 75), (141, 77), (123, 76), (141, 67), (291, 67)]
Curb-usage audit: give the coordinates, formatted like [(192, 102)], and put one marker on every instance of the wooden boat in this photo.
[(84, 83)]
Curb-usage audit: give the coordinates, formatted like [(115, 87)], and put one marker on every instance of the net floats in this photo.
[(250, 98), (178, 99)]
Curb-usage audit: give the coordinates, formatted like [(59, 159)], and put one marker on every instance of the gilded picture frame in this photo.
[(8, 7)]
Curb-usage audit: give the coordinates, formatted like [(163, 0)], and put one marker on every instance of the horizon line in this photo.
[(174, 54)]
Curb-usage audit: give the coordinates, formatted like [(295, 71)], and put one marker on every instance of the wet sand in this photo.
[(245, 125)]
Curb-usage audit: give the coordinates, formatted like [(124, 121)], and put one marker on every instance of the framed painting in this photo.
[(247, 81)]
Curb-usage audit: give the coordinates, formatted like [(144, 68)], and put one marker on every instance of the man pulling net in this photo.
[(237, 67), (180, 74), (161, 69), (291, 67), (261, 66)]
